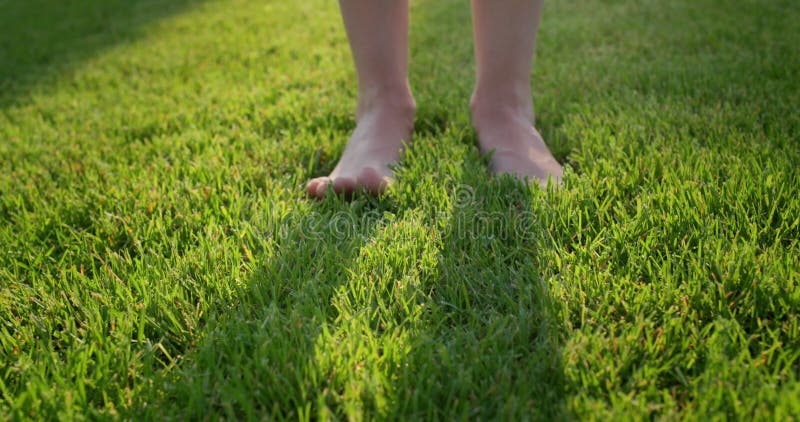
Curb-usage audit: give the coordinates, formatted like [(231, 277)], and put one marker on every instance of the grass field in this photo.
[(159, 259)]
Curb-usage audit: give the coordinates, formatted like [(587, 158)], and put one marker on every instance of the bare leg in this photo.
[(378, 34), (502, 108)]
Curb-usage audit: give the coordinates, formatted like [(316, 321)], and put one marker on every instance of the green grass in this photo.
[(159, 259)]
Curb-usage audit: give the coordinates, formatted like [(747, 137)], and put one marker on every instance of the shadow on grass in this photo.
[(490, 345), (395, 308), (257, 354), (42, 39), (358, 310)]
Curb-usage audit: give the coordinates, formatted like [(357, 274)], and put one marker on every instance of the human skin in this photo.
[(378, 35), (501, 104)]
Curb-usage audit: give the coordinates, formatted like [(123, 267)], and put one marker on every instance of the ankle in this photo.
[(396, 100), (511, 107), (491, 116)]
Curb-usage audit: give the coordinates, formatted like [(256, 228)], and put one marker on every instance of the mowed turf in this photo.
[(159, 260)]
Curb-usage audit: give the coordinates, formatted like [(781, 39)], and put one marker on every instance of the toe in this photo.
[(374, 181), (316, 187), (322, 187), (311, 186), (344, 185), (530, 170)]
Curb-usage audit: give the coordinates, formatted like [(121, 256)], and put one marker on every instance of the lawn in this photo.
[(159, 258)]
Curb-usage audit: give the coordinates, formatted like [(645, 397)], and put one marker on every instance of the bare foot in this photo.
[(517, 147), (382, 128)]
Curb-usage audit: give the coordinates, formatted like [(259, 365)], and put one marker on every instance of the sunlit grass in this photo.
[(159, 259)]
